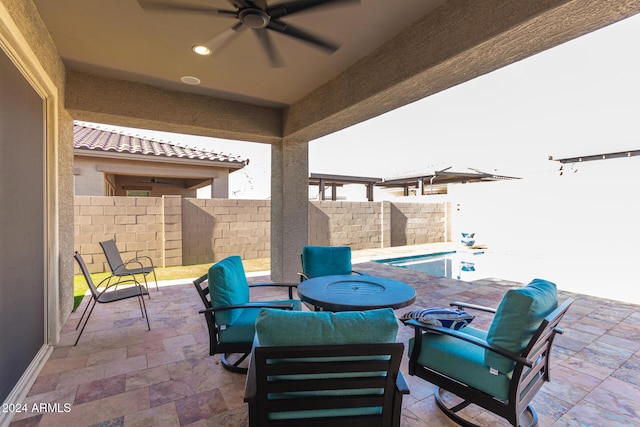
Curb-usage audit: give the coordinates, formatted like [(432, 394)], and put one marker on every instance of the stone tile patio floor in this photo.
[(122, 374)]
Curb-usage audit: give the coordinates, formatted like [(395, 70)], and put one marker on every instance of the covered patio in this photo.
[(67, 61), (122, 374)]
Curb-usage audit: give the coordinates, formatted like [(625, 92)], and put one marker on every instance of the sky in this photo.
[(579, 98)]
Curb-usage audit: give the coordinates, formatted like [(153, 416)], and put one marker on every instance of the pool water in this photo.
[(453, 264), (599, 273)]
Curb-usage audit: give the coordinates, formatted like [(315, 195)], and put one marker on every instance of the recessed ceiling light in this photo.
[(190, 80), (201, 50)]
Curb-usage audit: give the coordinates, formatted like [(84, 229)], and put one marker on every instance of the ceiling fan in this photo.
[(154, 180), (256, 15)]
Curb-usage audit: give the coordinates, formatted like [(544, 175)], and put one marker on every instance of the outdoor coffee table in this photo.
[(355, 293)]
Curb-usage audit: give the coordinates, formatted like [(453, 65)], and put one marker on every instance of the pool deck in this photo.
[(122, 374)]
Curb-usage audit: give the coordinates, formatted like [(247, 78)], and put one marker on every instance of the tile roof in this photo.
[(92, 137)]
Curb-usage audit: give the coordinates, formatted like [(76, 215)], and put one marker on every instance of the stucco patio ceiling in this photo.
[(392, 53)]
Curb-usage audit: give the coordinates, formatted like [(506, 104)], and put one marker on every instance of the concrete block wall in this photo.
[(336, 223), (173, 230), (217, 228), (134, 222), (418, 223)]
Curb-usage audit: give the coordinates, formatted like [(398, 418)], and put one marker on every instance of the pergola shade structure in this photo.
[(334, 181), (426, 183)]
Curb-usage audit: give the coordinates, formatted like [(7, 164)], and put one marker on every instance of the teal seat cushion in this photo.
[(286, 328), (244, 327), (296, 328), (228, 286), (326, 260), (517, 318), (462, 360)]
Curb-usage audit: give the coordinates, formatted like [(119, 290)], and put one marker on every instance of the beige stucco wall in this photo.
[(60, 155), (124, 173)]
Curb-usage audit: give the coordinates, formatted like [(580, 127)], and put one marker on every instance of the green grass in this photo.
[(168, 273)]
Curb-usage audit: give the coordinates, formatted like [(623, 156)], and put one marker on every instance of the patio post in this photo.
[(289, 208)]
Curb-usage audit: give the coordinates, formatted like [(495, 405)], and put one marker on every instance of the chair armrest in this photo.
[(401, 384), (201, 279), (280, 285), (144, 257), (417, 345), (303, 277), (125, 265), (265, 304), (462, 305), (122, 282)]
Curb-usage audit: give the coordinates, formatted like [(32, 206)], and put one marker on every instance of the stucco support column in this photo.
[(220, 187), (289, 208)]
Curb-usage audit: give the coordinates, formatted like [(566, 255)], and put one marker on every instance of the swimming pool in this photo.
[(453, 264), (604, 274)]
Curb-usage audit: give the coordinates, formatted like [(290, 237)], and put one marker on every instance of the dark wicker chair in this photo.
[(232, 339), (462, 355)]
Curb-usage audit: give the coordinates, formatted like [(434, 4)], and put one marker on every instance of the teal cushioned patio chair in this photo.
[(325, 261), (328, 369), (229, 314), (501, 369)]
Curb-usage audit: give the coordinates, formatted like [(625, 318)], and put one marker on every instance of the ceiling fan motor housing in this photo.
[(254, 18)]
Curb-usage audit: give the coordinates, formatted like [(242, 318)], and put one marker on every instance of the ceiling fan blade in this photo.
[(297, 33), (267, 44), (221, 39), (260, 4), (294, 6), (164, 5), (240, 3)]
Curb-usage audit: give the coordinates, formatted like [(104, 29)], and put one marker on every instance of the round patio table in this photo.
[(355, 293)]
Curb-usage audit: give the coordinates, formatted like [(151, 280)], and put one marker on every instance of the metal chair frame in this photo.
[(530, 373), (239, 350), (108, 295), (120, 268)]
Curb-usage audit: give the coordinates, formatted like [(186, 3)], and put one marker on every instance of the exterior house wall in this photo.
[(173, 230), (91, 172)]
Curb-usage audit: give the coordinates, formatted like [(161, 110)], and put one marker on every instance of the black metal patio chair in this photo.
[(108, 295), (139, 265)]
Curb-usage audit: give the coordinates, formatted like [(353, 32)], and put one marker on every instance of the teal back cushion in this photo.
[(228, 286), (517, 318), (297, 328), (326, 260)]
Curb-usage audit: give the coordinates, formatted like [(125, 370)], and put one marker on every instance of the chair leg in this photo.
[(234, 366), (144, 308), (155, 278), (85, 322), (451, 412), (85, 311)]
